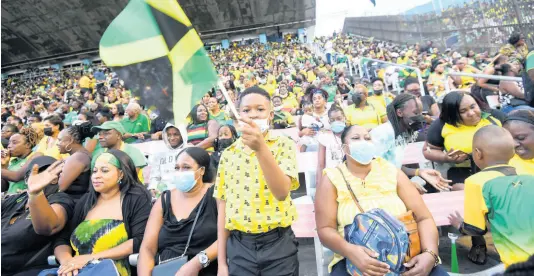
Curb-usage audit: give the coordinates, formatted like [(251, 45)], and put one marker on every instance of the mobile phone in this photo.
[(425, 112)]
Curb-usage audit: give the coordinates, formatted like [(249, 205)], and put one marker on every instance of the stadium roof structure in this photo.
[(46, 30)]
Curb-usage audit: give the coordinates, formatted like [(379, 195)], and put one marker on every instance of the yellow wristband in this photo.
[(417, 172)]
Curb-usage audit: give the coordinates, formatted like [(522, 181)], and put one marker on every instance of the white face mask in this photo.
[(263, 124)]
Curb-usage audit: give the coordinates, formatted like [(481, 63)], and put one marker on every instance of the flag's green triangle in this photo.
[(134, 23), (199, 72)]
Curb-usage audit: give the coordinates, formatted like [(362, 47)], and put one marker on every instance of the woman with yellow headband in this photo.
[(109, 221)]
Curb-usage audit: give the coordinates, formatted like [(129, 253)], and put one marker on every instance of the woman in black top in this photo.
[(173, 215), (31, 219), (109, 220), (76, 173)]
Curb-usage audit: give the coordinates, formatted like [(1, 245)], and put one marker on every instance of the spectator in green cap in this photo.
[(110, 136)]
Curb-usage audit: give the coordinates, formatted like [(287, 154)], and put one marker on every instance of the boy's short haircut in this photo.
[(254, 90)]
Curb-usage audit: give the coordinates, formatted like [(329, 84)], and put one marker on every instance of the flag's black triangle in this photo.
[(171, 29)]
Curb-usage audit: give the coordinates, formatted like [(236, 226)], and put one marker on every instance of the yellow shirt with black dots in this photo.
[(250, 205)]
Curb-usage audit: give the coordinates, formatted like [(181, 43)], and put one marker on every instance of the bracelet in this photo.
[(436, 257), (32, 196), (416, 172)]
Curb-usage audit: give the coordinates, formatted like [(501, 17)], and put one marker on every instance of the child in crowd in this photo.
[(255, 208), (309, 121), (281, 119), (227, 135), (499, 195)]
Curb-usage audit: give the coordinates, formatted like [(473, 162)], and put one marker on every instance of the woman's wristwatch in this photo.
[(203, 259), (436, 257)]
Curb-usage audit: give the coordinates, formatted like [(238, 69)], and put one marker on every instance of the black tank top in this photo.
[(173, 234), (80, 185)]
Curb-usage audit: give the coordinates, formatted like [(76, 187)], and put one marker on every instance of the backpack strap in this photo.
[(492, 121), (506, 170)]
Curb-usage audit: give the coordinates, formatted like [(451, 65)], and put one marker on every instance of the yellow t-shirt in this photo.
[(310, 76), (511, 230), (382, 100), (53, 151), (85, 82), (290, 102), (461, 137), (377, 190), (467, 81), (250, 205), (475, 208), (368, 117), (522, 166), (438, 81), (270, 88)]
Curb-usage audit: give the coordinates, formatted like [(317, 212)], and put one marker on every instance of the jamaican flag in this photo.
[(153, 47)]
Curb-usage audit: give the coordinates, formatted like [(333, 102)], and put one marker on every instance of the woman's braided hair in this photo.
[(31, 136)]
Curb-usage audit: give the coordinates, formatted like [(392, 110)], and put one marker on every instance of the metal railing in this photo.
[(478, 76), (417, 71)]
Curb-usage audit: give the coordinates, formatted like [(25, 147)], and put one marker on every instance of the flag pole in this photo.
[(228, 100)]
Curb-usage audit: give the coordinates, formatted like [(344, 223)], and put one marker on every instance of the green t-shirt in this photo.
[(14, 165), (530, 61), (137, 156), (140, 124), (332, 90), (70, 117), (508, 200), (220, 118)]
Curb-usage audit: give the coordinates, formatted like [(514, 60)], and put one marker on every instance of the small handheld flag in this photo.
[(374, 2), (153, 47)]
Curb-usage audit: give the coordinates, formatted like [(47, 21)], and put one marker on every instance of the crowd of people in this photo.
[(74, 182)]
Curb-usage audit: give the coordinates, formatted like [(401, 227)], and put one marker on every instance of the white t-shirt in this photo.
[(334, 153), (309, 121), (328, 46)]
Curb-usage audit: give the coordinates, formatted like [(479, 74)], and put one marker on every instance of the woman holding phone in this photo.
[(449, 140)]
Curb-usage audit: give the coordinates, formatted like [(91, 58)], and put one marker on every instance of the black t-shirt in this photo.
[(427, 101), (435, 138), (173, 234), (20, 243)]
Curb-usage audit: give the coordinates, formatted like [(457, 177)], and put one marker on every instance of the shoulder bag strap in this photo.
[(351, 192), (194, 223), (165, 199)]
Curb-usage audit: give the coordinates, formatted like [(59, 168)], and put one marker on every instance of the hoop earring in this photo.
[(68, 150)]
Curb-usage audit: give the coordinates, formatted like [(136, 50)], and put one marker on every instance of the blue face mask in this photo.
[(183, 181), (337, 126), (362, 151)]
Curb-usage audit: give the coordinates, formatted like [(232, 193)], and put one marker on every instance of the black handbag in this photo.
[(171, 266)]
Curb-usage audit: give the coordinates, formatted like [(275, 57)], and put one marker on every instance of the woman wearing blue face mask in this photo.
[(173, 216), (330, 154), (377, 184)]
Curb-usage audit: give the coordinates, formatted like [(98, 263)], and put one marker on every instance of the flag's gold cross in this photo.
[(517, 183)]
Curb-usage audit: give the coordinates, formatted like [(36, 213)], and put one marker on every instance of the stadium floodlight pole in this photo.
[(417, 71), (478, 76)]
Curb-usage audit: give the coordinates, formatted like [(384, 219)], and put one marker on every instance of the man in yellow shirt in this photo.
[(85, 84), (379, 97), (464, 67), (255, 208)]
